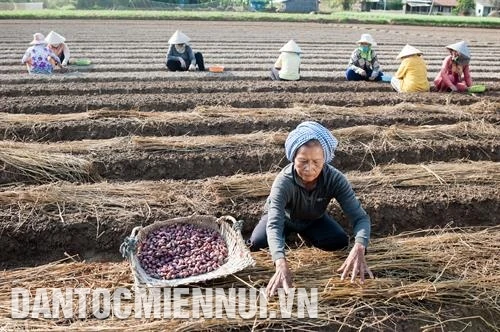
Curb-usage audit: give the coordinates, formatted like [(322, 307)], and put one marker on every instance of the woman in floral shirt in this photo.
[(38, 57)]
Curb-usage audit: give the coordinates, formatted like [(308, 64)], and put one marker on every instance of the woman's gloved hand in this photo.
[(361, 72), (183, 63)]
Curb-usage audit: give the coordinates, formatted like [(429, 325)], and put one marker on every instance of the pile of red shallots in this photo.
[(181, 250)]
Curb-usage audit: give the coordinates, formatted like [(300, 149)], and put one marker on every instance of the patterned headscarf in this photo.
[(307, 131)]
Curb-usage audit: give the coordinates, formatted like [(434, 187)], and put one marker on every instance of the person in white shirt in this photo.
[(287, 67), (56, 44)]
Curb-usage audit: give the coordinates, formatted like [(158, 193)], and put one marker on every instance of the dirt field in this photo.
[(88, 155)]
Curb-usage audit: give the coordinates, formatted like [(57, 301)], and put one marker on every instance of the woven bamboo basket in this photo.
[(238, 257)]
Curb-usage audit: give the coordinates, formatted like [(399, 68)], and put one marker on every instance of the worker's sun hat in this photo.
[(407, 51), (310, 130), (38, 38), (291, 46), (367, 38), (461, 47), (179, 38), (53, 38)]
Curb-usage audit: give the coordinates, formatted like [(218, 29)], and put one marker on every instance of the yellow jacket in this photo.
[(413, 74)]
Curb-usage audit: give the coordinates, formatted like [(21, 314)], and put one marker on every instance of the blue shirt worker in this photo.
[(298, 201), (364, 65)]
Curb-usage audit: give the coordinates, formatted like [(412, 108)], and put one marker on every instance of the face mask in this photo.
[(364, 48), (180, 48)]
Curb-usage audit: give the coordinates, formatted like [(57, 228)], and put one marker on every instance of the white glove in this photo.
[(192, 67), (361, 72), (373, 76), (183, 63), (453, 88)]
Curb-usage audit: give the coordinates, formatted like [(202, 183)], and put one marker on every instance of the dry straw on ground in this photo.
[(119, 199), (370, 135), (44, 167), (444, 279), (193, 143), (395, 175), (297, 112)]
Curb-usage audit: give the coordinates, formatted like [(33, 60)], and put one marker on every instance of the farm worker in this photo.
[(39, 59), (298, 201), (56, 43), (180, 56), (364, 65), (454, 74), (412, 73), (287, 67)]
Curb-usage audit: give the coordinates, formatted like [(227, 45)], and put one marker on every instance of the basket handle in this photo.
[(237, 224), (129, 245)]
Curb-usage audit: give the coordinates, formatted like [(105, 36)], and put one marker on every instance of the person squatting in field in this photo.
[(287, 67), (298, 201), (56, 43), (454, 74), (412, 73), (364, 65), (180, 56), (39, 59)]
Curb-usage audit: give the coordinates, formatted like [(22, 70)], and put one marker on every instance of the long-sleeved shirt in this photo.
[(448, 77), (62, 51), (187, 55), (290, 202), (413, 74), (289, 64), (37, 58), (357, 62)]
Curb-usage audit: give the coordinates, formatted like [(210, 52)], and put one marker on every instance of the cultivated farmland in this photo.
[(89, 154)]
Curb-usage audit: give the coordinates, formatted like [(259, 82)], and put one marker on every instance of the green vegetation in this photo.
[(465, 7), (339, 17)]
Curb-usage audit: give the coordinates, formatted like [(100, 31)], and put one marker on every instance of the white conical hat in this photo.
[(408, 50), (38, 38), (179, 38), (460, 47), (54, 38), (367, 38), (291, 46)]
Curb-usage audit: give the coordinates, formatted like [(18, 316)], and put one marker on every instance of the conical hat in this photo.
[(408, 50), (367, 38), (291, 46), (179, 38), (38, 38), (54, 38), (460, 47)]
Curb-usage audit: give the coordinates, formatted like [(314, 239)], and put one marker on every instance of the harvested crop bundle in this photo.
[(181, 250)]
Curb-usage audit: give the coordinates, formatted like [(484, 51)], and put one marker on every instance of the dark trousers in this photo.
[(175, 65), (351, 75), (323, 233), (275, 74)]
